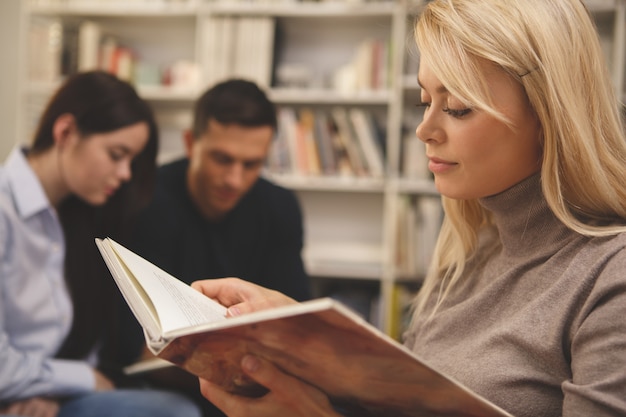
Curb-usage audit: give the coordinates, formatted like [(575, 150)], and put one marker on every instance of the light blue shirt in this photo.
[(35, 308)]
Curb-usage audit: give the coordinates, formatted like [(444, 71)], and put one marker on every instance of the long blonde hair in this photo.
[(552, 48)]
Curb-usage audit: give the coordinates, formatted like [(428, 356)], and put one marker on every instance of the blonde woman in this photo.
[(525, 300)]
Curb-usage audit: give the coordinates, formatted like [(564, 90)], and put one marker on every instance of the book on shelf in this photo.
[(240, 46), (406, 249), (209, 50), (321, 342), (245, 50), (341, 141), (60, 48), (328, 155), (343, 165), (306, 136), (71, 36), (414, 161), (347, 137), (368, 140), (293, 159), (89, 43), (45, 49), (370, 65), (418, 223)]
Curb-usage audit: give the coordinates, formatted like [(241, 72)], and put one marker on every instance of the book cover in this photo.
[(347, 136), (288, 130), (45, 49), (324, 141), (320, 341), (306, 135), (89, 44), (366, 137)]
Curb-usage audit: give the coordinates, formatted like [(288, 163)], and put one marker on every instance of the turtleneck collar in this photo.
[(523, 218)]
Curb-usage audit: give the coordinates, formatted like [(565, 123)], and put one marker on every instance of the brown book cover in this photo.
[(320, 341)]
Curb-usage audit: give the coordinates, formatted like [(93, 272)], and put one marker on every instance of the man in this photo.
[(212, 215)]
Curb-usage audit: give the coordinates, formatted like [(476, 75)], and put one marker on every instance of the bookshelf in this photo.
[(9, 27), (366, 236)]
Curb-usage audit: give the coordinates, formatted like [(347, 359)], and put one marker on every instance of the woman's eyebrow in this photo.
[(122, 148), (441, 89)]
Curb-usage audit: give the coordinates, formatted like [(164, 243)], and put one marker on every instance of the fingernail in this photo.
[(250, 363), (233, 311)]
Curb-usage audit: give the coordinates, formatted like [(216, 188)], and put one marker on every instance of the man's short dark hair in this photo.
[(235, 101)]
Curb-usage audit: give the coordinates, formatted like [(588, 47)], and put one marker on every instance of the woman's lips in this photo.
[(109, 191), (439, 166)]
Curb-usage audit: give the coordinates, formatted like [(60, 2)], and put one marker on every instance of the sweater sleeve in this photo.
[(598, 349)]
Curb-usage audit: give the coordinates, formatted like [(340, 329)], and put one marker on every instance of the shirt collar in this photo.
[(27, 190)]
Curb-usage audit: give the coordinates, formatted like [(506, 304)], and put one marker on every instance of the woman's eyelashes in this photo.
[(117, 155), (457, 113)]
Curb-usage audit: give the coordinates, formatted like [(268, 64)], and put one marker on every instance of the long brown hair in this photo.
[(99, 103)]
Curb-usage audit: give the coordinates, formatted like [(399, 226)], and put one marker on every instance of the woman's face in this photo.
[(94, 167), (471, 153)]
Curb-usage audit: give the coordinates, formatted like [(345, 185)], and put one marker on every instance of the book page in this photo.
[(146, 365), (176, 304), (133, 293)]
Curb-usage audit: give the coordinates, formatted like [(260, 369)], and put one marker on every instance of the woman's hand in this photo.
[(241, 296), (287, 396), (33, 407)]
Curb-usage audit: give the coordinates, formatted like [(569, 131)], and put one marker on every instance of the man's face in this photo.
[(224, 163)]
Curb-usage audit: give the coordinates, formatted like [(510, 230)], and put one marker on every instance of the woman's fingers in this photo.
[(287, 395), (240, 296)]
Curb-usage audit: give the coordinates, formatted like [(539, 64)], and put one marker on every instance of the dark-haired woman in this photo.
[(89, 169)]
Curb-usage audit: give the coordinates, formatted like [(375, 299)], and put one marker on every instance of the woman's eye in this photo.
[(423, 104), (116, 156), (457, 112)]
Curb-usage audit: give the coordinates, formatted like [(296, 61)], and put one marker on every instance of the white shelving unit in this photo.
[(351, 223)]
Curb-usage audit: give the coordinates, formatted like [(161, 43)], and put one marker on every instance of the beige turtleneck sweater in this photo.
[(538, 325)]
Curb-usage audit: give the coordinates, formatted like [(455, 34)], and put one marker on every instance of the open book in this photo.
[(321, 342)]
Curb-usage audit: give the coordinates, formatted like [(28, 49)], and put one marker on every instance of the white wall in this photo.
[(9, 58)]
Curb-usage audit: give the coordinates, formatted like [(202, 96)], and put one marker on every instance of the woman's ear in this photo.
[(63, 130)]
